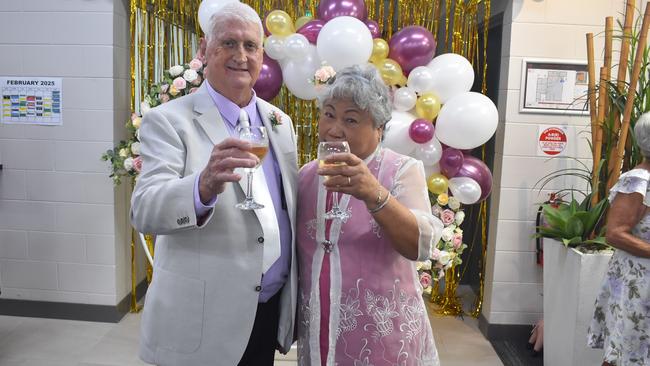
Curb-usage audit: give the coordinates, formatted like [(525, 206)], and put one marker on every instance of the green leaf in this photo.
[(574, 227)]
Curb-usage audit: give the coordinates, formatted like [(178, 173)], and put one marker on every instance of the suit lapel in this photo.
[(208, 117)]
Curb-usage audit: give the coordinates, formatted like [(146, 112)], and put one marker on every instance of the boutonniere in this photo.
[(276, 118)]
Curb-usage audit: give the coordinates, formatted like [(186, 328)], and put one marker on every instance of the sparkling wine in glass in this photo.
[(325, 149), (258, 137)]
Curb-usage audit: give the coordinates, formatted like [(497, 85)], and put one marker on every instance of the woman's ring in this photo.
[(349, 181)]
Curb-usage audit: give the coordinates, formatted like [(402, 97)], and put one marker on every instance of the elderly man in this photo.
[(224, 284)]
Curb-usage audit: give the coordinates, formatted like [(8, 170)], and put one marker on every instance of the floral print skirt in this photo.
[(621, 322)]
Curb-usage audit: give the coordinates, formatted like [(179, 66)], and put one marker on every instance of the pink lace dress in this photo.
[(360, 302)]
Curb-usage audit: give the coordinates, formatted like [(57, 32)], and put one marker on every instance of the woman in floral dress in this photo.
[(621, 323), (360, 301)]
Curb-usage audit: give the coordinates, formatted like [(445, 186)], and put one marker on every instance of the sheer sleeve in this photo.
[(633, 181), (410, 189)]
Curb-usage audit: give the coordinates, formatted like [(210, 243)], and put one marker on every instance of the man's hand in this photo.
[(225, 157)]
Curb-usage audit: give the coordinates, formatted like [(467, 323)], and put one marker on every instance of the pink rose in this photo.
[(197, 81), (193, 90), (164, 88), (137, 164), (164, 98), (457, 240), (196, 64), (425, 280), (435, 256), (447, 216), (179, 83)]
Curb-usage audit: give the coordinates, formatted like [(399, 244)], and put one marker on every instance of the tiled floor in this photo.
[(50, 342)]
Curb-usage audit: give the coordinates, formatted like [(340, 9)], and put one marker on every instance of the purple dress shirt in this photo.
[(277, 274)]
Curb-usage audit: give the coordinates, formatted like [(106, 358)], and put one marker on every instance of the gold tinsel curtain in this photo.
[(166, 32)]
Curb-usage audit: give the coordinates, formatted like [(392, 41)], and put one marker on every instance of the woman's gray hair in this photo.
[(642, 134), (233, 11), (364, 87)]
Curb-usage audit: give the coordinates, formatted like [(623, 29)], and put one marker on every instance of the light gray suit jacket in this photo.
[(201, 304)]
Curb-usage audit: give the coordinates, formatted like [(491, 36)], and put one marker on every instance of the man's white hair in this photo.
[(233, 11)]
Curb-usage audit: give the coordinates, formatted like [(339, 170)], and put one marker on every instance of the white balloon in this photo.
[(298, 73), (296, 46), (429, 152), (421, 79), (275, 48), (404, 99), (467, 121), (465, 189), (207, 9), (452, 74), (396, 133), (431, 169), (344, 41)]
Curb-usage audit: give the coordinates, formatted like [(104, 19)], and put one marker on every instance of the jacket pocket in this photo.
[(173, 315)]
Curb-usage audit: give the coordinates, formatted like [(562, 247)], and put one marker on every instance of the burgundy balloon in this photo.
[(411, 47), (476, 169), (374, 28), (421, 131), (451, 161), (311, 29), (329, 9), (269, 82)]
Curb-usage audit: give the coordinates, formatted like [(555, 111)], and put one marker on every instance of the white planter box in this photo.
[(571, 283)]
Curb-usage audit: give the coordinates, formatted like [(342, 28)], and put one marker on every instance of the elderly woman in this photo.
[(621, 323), (360, 301)]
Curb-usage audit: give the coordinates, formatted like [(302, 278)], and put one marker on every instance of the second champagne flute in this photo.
[(325, 149), (259, 139)]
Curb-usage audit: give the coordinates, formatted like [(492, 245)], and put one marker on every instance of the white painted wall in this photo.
[(552, 29), (63, 228)]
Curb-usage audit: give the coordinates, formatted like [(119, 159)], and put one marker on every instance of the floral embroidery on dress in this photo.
[(349, 311), (311, 228), (374, 226), (382, 312), (413, 313), (365, 352)]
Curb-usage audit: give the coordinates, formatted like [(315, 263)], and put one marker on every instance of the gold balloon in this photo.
[(379, 50), (302, 20), (390, 71), (427, 106), (437, 183), (279, 23), (402, 81)]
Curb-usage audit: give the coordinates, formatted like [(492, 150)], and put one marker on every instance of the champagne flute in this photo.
[(257, 136), (325, 149)]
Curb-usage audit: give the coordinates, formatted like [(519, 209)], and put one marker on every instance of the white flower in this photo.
[(123, 153), (137, 134), (135, 148), (136, 122), (176, 70), (426, 265), (453, 203), (447, 233), (445, 257), (144, 107), (460, 216), (190, 75), (128, 164)]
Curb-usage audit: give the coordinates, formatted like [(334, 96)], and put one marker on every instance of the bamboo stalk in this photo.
[(621, 77), (631, 92), (609, 36), (591, 72), (598, 138)]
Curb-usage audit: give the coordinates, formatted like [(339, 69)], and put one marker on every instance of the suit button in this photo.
[(258, 288), (260, 240)]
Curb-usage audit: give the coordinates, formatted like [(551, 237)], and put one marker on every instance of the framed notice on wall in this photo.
[(31, 100), (552, 86)]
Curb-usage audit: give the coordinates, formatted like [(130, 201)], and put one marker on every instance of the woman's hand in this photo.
[(348, 174)]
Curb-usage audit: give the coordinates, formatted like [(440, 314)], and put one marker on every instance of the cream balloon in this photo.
[(344, 41), (452, 75), (396, 133), (404, 99), (431, 169), (297, 74), (467, 121), (207, 9), (465, 189), (274, 47), (420, 79)]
